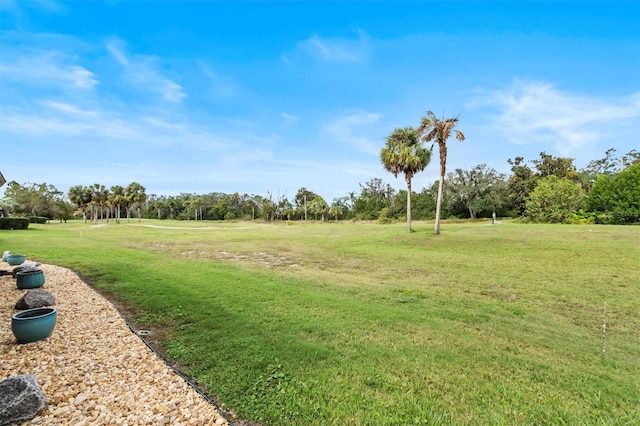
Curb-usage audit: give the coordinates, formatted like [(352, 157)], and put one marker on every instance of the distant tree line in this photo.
[(547, 189), (550, 190), (607, 191)]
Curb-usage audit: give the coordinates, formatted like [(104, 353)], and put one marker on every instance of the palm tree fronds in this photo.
[(403, 153)]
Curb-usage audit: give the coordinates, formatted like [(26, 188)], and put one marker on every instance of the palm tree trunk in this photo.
[(439, 205), (442, 148), (408, 179), (305, 207)]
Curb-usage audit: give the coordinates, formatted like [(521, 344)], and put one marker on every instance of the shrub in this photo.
[(38, 219), (616, 199), (385, 216), (553, 200), (14, 223), (581, 218)]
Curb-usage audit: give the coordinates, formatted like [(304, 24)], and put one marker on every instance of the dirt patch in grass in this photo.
[(269, 260)]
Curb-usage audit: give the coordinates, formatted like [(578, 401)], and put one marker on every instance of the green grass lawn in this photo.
[(362, 324)]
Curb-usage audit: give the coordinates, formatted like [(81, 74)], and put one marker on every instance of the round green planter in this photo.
[(33, 325), (16, 259), (30, 279)]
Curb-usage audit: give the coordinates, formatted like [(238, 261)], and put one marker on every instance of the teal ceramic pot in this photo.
[(33, 325), (30, 279), (16, 259)]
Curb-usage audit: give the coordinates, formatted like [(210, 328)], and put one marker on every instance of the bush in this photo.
[(38, 219), (616, 218), (385, 216), (626, 217), (14, 223), (581, 218), (616, 199), (553, 200)]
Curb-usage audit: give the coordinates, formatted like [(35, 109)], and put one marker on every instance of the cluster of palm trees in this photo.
[(108, 203), (404, 153)]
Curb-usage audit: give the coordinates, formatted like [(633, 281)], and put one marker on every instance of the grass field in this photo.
[(365, 324)]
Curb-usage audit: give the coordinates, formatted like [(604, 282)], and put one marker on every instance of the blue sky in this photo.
[(258, 97)]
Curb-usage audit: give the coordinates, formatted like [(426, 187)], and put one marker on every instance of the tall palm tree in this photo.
[(135, 196), (196, 203), (172, 205), (81, 197), (186, 203), (403, 153), (116, 200), (99, 195), (438, 131)]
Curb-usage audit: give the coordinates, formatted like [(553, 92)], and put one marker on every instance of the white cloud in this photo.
[(170, 90), (539, 113), (48, 69), (34, 125), (69, 109), (51, 6), (16, 10), (249, 157), (288, 119), (140, 71), (336, 50), (218, 86), (352, 129), (60, 121), (82, 77), (68, 125), (163, 124), (116, 53)]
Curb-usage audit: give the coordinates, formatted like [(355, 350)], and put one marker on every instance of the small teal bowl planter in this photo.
[(16, 259), (33, 325), (30, 279)]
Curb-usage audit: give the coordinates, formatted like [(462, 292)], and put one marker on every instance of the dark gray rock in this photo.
[(35, 298), (21, 399)]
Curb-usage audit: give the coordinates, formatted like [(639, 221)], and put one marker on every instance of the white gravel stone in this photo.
[(94, 369)]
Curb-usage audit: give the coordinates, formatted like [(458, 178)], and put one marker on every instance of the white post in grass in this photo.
[(604, 329)]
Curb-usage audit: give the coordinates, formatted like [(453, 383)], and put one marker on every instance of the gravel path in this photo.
[(93, 369)]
